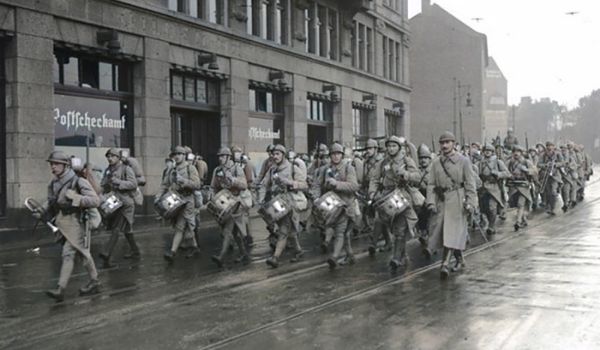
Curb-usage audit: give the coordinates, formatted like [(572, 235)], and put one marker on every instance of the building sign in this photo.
[(255, 133), (104, 122)]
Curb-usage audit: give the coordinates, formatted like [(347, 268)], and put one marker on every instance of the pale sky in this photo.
[(542, 51)]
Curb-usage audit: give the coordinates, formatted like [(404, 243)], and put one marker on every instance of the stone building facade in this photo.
[(144, 75), (447, 67), (495, 95)]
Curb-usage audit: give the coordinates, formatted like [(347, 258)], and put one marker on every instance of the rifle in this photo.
[(526, 143), (432, 143), (475, 221)]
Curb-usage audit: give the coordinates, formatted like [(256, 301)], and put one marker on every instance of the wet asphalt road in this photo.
[(535, 289)]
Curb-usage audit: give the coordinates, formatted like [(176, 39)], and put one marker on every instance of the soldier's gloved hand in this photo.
[(400, 173), (469, 208), (331, 182), (179, 179), (116, 183), (36, 214), (74, 197), (286, 181), (432, 208)]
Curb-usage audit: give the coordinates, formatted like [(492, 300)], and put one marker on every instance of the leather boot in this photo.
[(106, 261), (169, 256), (195, 251), (297, 256), (217, 260), (460, 261), (332, 263), (273, 261), (446, 256), (134, 252), (372, 250), (56, 294), (92, 287)]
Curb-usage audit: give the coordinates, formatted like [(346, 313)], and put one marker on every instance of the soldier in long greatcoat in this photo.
[(550, 176), (451, 194), (491, 172), (68, 196)]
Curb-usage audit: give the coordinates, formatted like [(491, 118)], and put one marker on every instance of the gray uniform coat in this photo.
[(185, 189), (345, 187), (124, 189), (491, 172), (238, 184), (449, 194), (68, 211), (521, 171)]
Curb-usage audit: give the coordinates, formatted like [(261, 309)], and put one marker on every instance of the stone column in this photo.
[(234, 121), (29, 106), (377, 122), (296, 134), (152, 117), (342, 118)]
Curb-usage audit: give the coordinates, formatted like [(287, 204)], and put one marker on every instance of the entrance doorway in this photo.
[(200, 130), (318, 134), (3, 133)]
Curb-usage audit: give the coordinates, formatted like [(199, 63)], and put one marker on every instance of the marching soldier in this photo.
[(550, 176), (182, 179), (569, 175), (491, 171), (340, 177), (68, 196), (423, 214), (452, 196), (120, 180), (320, 160), (202, 168), (396, 171), (230, 175), (521, 170), (371, 161), (510, 140), (581, 165), (279, 180), (266, 165), (237, 154)]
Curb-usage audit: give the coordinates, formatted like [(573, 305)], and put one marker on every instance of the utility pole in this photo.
[(454, 93)]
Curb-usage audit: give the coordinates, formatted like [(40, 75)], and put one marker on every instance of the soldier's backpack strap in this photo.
[(447, 173)]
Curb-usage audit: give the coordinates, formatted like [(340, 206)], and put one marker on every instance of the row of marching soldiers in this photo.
[(396, 192)]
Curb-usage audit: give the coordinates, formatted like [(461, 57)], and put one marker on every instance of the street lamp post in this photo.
[(458, 104)]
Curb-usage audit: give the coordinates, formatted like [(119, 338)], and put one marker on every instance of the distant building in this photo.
[(495, 98), (448, 61)]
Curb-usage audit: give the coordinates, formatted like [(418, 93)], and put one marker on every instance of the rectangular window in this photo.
[(307, 30), (390, 62), (201, 95), (332, 29), (322, 32), (106, 76), (250, 15), (361, 46), (189, 89), (369, 50), (399, 69), (265, 101), (360, 126), (319, 110), (89, 72), (385, 54), (313, 43), (354, 46), (177, 87)]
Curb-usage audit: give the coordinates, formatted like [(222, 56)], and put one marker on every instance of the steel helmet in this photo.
[(423, 151), (336, 148), (224, 151), (58, 157), (279, 148)]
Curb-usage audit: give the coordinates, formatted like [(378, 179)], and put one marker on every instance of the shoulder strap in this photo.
[(447, 173)]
